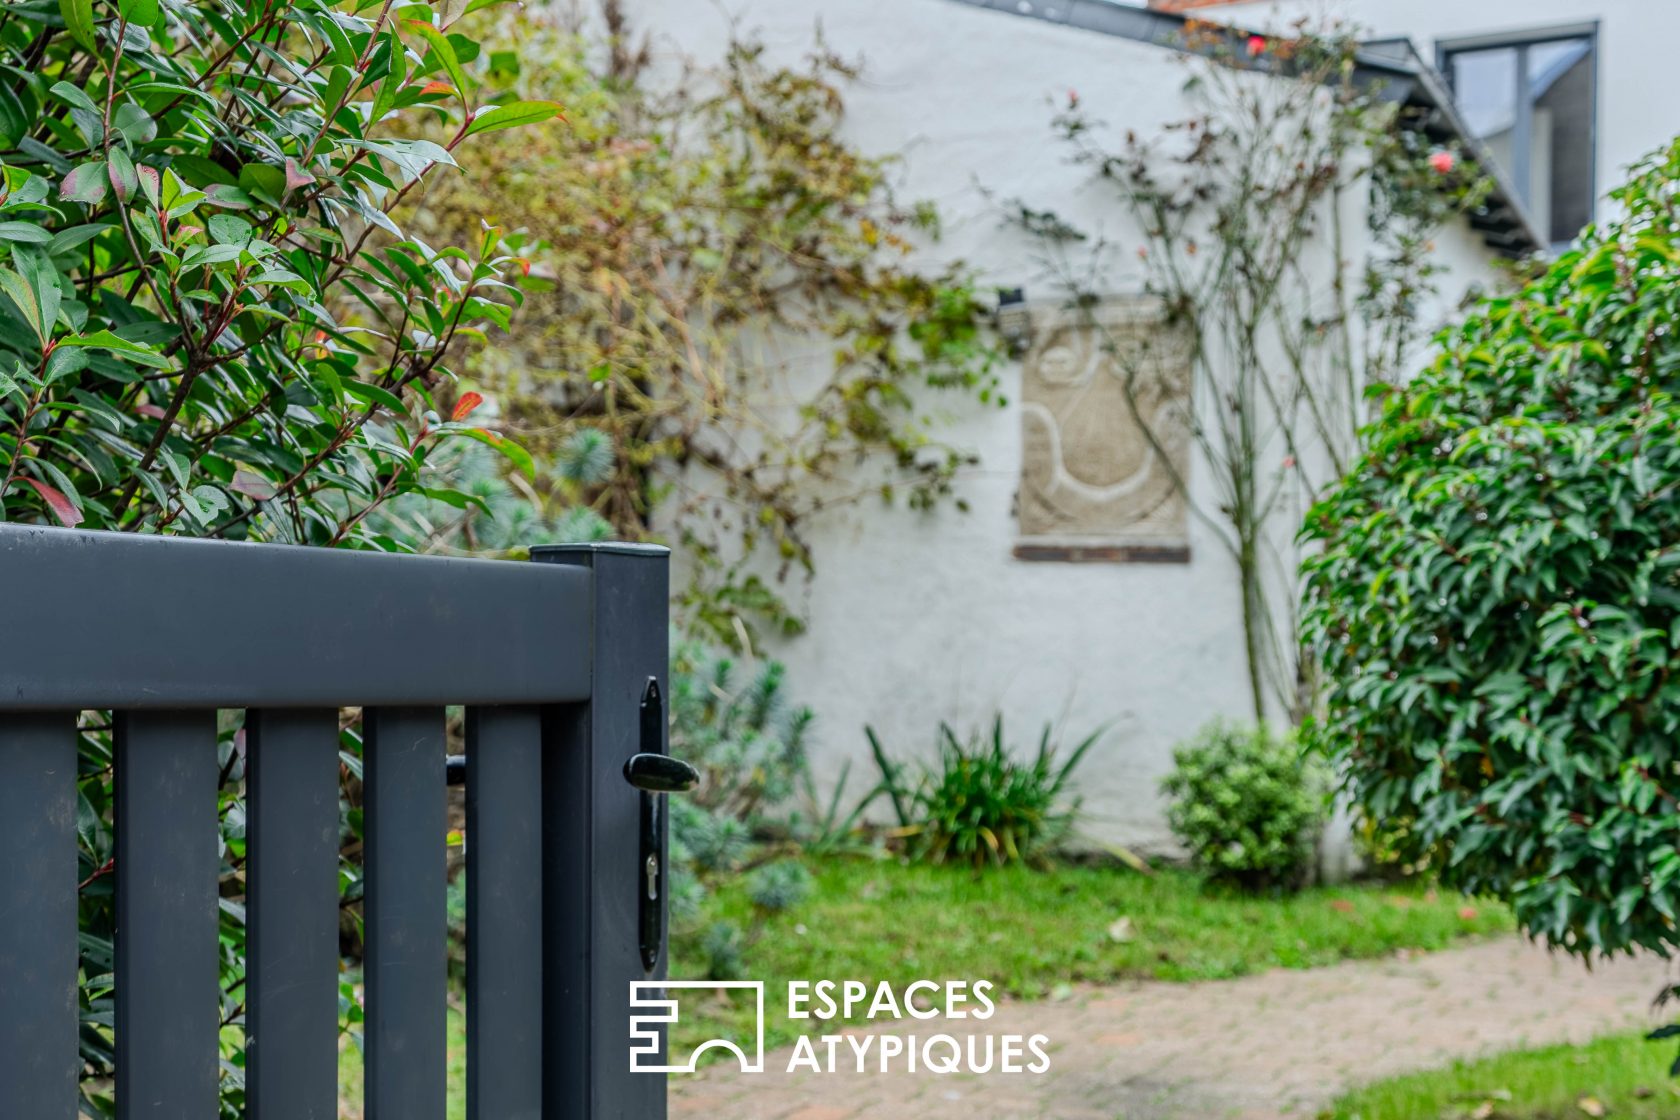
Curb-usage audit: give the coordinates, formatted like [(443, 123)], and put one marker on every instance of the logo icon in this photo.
[(653, 1002)]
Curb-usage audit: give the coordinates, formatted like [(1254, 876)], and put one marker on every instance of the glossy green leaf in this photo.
[(513, 114), (78, 20), (27, 233), (106, 340), (142, 12)]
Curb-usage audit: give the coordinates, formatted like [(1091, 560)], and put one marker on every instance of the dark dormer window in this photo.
[(1532, 99)]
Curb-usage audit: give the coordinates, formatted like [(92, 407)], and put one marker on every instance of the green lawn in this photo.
[(1622, 1076), (1032, 931)]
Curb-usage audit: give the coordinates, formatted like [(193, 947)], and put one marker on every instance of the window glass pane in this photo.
[(1547, 60), (1485, 84), (1560, 77), (1554, 114)]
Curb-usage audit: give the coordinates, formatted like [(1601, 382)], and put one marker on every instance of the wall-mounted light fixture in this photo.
[(1014, 323)]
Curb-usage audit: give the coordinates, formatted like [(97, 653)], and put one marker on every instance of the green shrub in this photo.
[(743, 736), (779, 886), (1247, 805), (1496, 598), (723, 948), (1387, 849), (981, 804), (748, 743), (212, 325)]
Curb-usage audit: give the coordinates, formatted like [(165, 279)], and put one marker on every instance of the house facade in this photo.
[(1567, 93), (1082, 586)]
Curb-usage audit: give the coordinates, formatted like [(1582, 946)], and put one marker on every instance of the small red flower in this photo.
[(1443, 162), (1256, 46), (1073, 99)]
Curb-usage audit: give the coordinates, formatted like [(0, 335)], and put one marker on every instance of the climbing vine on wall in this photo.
[(1249, 214), (736, 332)]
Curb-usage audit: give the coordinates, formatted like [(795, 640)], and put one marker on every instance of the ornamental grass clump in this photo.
[(1495, 595), (981, 804)]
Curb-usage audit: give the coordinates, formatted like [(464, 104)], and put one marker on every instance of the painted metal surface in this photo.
[(504, 913), (552, 660), (591, 857), (168, 991), (180, 623), (38, 1060), (291, 1022), (406, 962)]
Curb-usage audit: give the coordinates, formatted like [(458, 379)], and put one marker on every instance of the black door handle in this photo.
[(660, 773), (656, 774)]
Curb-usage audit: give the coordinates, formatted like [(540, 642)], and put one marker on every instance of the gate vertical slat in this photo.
[(38, 1058), (504, 913), (291, 962), (167, 859), (405, 913), (592, 859)]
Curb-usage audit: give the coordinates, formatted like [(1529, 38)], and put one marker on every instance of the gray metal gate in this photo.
[(556, 661)]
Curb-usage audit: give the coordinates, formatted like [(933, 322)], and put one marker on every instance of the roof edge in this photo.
[(1394, 64)]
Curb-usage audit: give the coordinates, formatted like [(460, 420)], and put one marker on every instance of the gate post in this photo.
[(592, 865)]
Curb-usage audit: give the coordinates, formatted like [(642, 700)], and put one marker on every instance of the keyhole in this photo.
[(652, 877)]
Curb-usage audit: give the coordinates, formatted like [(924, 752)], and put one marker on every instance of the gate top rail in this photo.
[(116, 620)]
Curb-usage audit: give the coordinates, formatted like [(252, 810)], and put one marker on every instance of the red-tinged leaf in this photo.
[(62, 508), (85, 184), (436, 87), (464, 407), (443, 52), (150, 182), (252, 485), (151, 410), (125, 180), (296, 176)]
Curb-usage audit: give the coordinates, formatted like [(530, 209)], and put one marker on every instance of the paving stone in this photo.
[(1278, 1046)]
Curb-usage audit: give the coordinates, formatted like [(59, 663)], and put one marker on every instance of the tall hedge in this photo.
[(1496, 595), (211, 325)]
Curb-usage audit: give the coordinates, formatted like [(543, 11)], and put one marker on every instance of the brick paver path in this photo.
[(1276, 1045)]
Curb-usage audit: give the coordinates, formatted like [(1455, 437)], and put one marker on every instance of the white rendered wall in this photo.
[(916, 618)]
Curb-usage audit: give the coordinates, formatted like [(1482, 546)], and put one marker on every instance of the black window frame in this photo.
[(1522, 135)]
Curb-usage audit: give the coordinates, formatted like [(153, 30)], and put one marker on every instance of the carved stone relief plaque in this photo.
[(1105, 442)]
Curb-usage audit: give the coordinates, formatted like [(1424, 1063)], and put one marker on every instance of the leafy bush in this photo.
[(211, 324), (1496, 602), (489, 512), (981, 804), (1247, 804), (779, 886), (1387, 850)]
